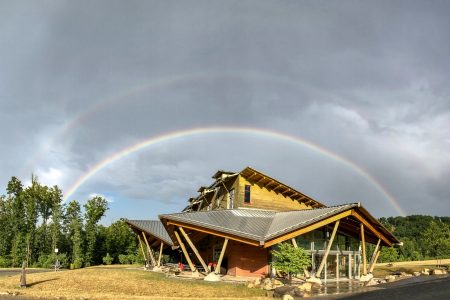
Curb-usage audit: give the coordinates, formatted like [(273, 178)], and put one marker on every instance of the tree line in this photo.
[(423, 237), (34, 222)]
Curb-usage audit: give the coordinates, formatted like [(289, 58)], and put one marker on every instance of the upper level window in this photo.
[(247, 194), (231, 199)]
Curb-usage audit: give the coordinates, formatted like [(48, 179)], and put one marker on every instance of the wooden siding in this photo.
[(263, 198)]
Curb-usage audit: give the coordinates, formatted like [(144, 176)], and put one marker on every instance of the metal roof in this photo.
[(152, 227), (256, 224)]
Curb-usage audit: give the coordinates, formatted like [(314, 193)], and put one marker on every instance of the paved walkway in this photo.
[(421, 287), (12, 272)]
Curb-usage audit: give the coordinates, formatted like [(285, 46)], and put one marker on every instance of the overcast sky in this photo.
[(366, 80)]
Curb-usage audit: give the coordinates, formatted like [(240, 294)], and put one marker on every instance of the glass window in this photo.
[(247, 194)]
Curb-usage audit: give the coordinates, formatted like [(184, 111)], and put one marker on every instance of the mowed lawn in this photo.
[(121, 283)]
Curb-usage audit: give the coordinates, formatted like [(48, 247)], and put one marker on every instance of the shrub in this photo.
[(290, 260), (107, 260), (5, 262)]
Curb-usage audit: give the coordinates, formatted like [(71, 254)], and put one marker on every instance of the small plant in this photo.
[(290, 260), (107, 260)]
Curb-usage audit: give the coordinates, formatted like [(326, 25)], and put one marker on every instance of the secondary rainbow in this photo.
[(222, 130)]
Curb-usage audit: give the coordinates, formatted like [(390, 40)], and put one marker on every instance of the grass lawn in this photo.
[(384, 269), (120, 283)]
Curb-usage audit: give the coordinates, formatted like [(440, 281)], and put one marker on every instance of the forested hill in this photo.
[(423, 237)]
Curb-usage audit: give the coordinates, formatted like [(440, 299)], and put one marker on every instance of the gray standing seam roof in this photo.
[(255, 224), (154, 228)]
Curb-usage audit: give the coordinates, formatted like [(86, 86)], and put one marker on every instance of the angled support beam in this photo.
[(363, 245), (325, 256), (142, 249), (149, 250), (191, 244), (370, 227), (372, 264), (294, 242), (160, 254), (374, 254), (183, 248), (222, 253)]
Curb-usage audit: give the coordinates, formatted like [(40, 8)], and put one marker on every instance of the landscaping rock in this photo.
[(416, 274), (425, 272), (287, 297), (276, 283), (372, 282), (314, 280), (307, 286), (257, 281), (390, 278), (438, 272), (365, 278), (284, 290), (250, 285), (212, 277)]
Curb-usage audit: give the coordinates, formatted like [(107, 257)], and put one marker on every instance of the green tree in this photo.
[(120, 240), (95, 209), (290, 260), (436, 239), (74, 225)]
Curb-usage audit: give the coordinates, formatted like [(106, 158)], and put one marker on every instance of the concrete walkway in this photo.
[(421, 287)]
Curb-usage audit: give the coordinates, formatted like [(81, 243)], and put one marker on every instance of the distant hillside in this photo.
[(423, 237)]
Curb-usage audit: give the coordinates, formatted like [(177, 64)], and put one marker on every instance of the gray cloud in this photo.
[(366, 80)]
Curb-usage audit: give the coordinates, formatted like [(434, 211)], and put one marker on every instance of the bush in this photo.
[(5, 262), (290, 260), (107, 260)]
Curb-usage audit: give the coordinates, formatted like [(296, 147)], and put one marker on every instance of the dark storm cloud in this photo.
[(367, 80)]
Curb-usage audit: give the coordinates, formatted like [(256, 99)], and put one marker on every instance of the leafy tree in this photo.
[(73, 224), (388, 254), (95, 209), (290, 260), (120, 239), (436, 239)]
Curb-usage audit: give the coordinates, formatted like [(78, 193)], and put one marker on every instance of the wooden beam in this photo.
[(371, 228), (200, 259), (372, 265), (160, 254), (222, 253), (363, 244), (183, 248), (307, 228), (149, 250), (325, 256), (142, 249), (374, 253), (215, 232), (294, 242)]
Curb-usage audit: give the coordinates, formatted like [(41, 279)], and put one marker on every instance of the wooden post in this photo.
[(149, 250), (183, 248), (160, 254), (294, 242), (142, 248), (224, 247), (23, 278), (200, 259), (374, 253), (325, 256), (372, 264), (363, 244)]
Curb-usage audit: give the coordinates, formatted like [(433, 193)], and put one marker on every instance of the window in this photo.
[(247, 194), (231, 199)]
